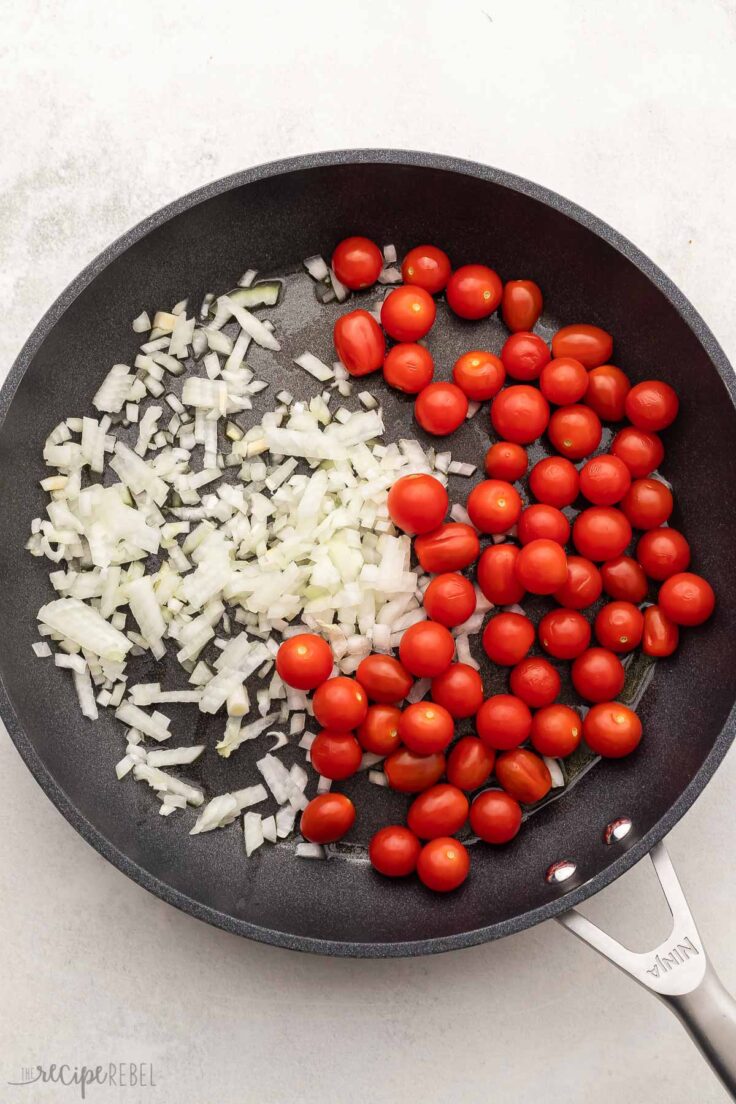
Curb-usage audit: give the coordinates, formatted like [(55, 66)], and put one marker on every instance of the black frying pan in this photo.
[(271, 218)]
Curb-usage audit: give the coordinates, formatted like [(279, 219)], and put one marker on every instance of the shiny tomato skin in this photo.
[(357, 262), (535, 681), (555, 481), (304, 661), (663, 552), (335, 755), (497, 575), (495, 816), (426, 649), (652, 405), (520, 414), (359, 342), (598, 675), (427, 267), (379, 732), (384, 679), (612, 730), (523, 775), (542, 566), (661, 635), (474, 291), (327, 818), (505, 460), (503, 722), (607, 389), (443, 864), (439, 811), (459, 690), (619, 626), (408, 313), (575, 431), (543, 522), (583, 585), (564, 633), (340, 704), (640, 451), (450, 599), (440, 408), (450, 547), (408, 367), (521, 304), (601, 533), (417, 503), (556, 731), (524, 355), (507, 638), (394, 850), (563, 381), (479, 374), (648, 503), (624, 580), (470, 763), (408, 772), (687, 599), (589, 344), (494, 506), (604, 480)]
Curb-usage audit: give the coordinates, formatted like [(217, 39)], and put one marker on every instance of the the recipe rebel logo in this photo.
[(120, 1075)]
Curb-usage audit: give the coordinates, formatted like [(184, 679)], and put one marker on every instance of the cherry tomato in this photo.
[(612, 730), (640, 451), (588, 344), (497, 575), (470, 763), (503, 721), (495, 816), (357, 262), (440, 408), (556, 731), (555, 481), (608, 387), (661, 635), (535, 681), (417, 503), (474, 291), (304, 661), (542, 522), (647, 503), (327, 818), (408, 367), (379, 732), (564, 633), (507, 638), (450, 599), (563, 381), (408, 313), (520, 414), (604, 480), (450, 547), (505, 460), (598, 675), (624, 580), (494, 506), (601, 533), (523, 775), (383, 678), (575, 431), (411, 773), (335, 755), (524, 355), (663, 552), (542, 566), (360, 343), (619, 625), (340, 704), (479, 374), (443, 864), (686, 599), (583, 585), (440, 811), (521, 304), (426, 649), (459, 689), (394, 851), (426, 267), (652, 405)]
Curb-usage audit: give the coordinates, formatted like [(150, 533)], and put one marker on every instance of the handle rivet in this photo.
[(560, 871), (617, 830)]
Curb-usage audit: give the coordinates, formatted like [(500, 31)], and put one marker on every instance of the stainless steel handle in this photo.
[(678, 972)]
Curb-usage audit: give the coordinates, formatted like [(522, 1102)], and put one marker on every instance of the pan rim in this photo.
[(93, 836)]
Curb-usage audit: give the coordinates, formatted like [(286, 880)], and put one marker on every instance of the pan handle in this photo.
[(678, 972)]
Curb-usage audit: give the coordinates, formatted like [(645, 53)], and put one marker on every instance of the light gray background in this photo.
[(107, 112)]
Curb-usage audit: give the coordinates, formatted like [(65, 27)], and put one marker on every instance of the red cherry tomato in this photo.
[(556, 731), (611, 730), (479, 374), (521, 304), (443, 864), (604, 480), (450, 599), (394, 851), (359, 342), (440, 408), (588, 344), (417, 503), (495, 816), (624, 580), (503, 721), (507, 638), (542, 566), (474, 291), (520, 414), (408, 367), (542, 522), (563, 381), (357, 262), (440, 811), (661, 635), (426, 649), (647, 503), (564, 633), (652, 405), (497, 575), (608, 387), (640, 451), (523, 775), (335, 755), (426, 267), (411, 773), (505, 460), (459, 689), (408, 313), (686, 599), (384, 679), (575, 431), (450, 547), (340, 704), (535, 681), (304, 661), (494, 506), (524, 355), (555, 481), (470, 763), (379, 732), (598, 675), (601, 533), (663, 552), (327, 818), (619, 625), (583, 585)]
